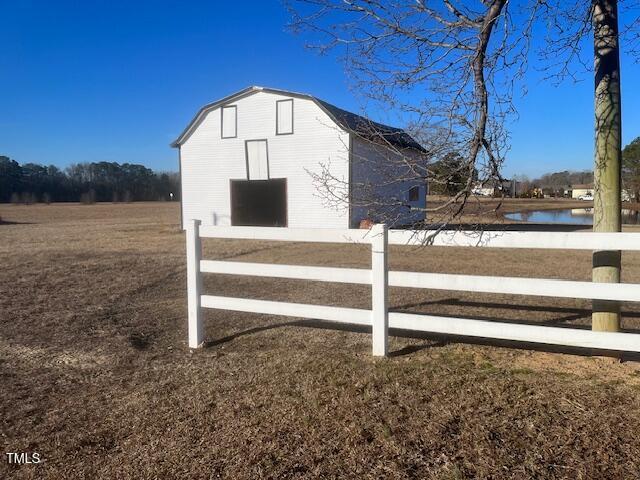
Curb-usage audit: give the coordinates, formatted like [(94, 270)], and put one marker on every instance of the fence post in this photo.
[(379, 289), (194, 283)]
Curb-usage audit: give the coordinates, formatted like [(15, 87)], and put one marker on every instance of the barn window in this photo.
[(257, 160), (284, 117), (229, 122), (414, 194)]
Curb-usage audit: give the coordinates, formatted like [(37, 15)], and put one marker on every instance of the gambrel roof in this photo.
[(351, 122)]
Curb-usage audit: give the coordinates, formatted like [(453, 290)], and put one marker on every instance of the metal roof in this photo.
[(351, 122)]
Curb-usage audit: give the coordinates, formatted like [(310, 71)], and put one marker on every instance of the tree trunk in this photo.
[(608, 156)]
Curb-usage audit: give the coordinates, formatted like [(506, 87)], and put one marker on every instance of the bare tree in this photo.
[(392, 48), (465, 59)]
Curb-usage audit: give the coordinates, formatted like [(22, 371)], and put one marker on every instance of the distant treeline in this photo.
[(557, 182), (566, 178), (84, 182)]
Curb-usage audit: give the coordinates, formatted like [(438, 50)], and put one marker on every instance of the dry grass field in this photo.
[(96, 375)]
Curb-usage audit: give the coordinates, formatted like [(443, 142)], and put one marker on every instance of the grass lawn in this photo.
[(96, 375)]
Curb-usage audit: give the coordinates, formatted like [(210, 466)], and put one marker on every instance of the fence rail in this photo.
[(380, 278), (300, 272), (535, 240)]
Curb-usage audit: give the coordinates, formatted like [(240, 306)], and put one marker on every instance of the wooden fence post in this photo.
[(379, 290), (194, 283)]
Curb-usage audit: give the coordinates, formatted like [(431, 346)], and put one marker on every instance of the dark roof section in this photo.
[(369, 129), (353, 123)]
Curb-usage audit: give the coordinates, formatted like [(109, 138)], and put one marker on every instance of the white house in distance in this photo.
[(582, 189), (250, 159)]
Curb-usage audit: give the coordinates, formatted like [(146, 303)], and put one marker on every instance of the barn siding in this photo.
[(377, 165), (208, 162)]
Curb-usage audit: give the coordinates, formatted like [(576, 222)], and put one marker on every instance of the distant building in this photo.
[(483, 191), (495, 188), (576, 191), (581, 189)]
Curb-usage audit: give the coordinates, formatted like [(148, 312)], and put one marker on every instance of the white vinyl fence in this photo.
[(380, 278)]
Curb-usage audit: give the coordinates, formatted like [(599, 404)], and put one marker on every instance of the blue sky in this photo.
[(117, 81)]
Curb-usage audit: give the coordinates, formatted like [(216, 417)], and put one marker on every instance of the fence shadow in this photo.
[(516, 345), (10, 222), (435, 340), (251, 331), (326, 325), (409, 349), (572, 314)]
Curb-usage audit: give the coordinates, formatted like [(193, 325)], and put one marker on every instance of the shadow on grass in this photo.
[(574, 313), (326, 325), (252, 251), (562, 321), (9, 222), (436, 340), (409, 349), (251, 331)]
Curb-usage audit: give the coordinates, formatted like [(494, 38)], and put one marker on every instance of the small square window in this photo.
[(229, 120), (414, 194)]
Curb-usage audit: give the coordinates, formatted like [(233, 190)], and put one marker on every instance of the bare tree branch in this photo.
[(449, 68)]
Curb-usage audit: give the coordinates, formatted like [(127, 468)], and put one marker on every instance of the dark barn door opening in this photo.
[(260, 203)]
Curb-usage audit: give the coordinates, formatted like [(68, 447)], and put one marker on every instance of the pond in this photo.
[(574, 216)]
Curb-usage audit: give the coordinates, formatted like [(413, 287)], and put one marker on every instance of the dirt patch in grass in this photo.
[(97, 377)]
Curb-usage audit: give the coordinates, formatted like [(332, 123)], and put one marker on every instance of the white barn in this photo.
[(250, 159)]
